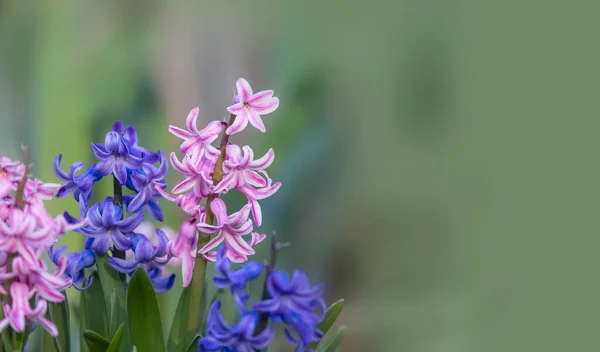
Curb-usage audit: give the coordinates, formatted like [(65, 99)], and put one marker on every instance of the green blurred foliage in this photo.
[(438, 157)]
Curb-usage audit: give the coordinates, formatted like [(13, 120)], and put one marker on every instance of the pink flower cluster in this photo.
[(27, 231), (241, 171)]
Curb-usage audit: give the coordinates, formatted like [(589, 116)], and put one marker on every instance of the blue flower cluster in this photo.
[(292, 302), (105, 225)]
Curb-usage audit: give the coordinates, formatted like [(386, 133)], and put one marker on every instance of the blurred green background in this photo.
[(438, 157)]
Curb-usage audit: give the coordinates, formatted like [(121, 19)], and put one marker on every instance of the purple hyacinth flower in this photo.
[(105, 224), (160, 282), (131, 138), (78, 185), (77, 262), (115, 156), (293, 303), (151, 258), (237, 338), (153, 206), (145, 181), (235, 280)]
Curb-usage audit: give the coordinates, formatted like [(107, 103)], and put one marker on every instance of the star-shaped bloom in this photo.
[(230, 230), (78, 185), (145, 181), (76, 263), (105, 223), (131, 139), (248, 107), (240, 337), (197, 173), (242, 169), (20, 312), (115, 156), (20, 234), (293, 303), (235, 280), (198, 142)]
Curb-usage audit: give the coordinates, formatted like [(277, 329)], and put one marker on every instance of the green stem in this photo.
[(118, 201), (199, 273)]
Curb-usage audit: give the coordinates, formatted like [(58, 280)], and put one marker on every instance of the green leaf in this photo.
[(93, 315), (59, 315), (333, 344), (95, 342), (193, 346), (144, 317), (116, 341), (114, 298), (179, 327), (331, 316)]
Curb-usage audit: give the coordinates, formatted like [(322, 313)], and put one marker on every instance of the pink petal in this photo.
[(236, 109), (256, 121), (191, 119), (240, 122), (237, 219), (245, 229), (268, 107), (178, 132), (210, 257), (208, 229), (257, 238), (219, 209), (263, 162), (177, 165), (260, 97), (234, 153), (187, 268), (248, 155), (244, 90), (238, 245), (184, 185), (254, 179), (225, 184), (48, 326), (215, 242)]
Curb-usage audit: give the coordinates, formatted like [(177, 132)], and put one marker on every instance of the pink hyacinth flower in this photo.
[(241, 170), (11, 172), (248, 107), (230, 230), (198, 142), (184, 248), (254, 195), (255, 239), (40, 281), (20, 312), (188, 202), (19, 234), (197, 175)]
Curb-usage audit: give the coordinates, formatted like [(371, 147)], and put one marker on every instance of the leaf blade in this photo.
[(115, 308), (59, 315), (144, 316), (331, 315), (333, 344), (95, 341), (116, 341)]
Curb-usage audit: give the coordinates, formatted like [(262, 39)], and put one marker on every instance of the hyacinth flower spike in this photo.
[(115, 157)]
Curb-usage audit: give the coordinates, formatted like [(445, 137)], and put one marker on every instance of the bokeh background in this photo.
[(438, 157)]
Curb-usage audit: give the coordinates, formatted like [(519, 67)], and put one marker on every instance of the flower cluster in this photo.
[(292, 302), (209, 171), (27, 230), (104, 224)]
